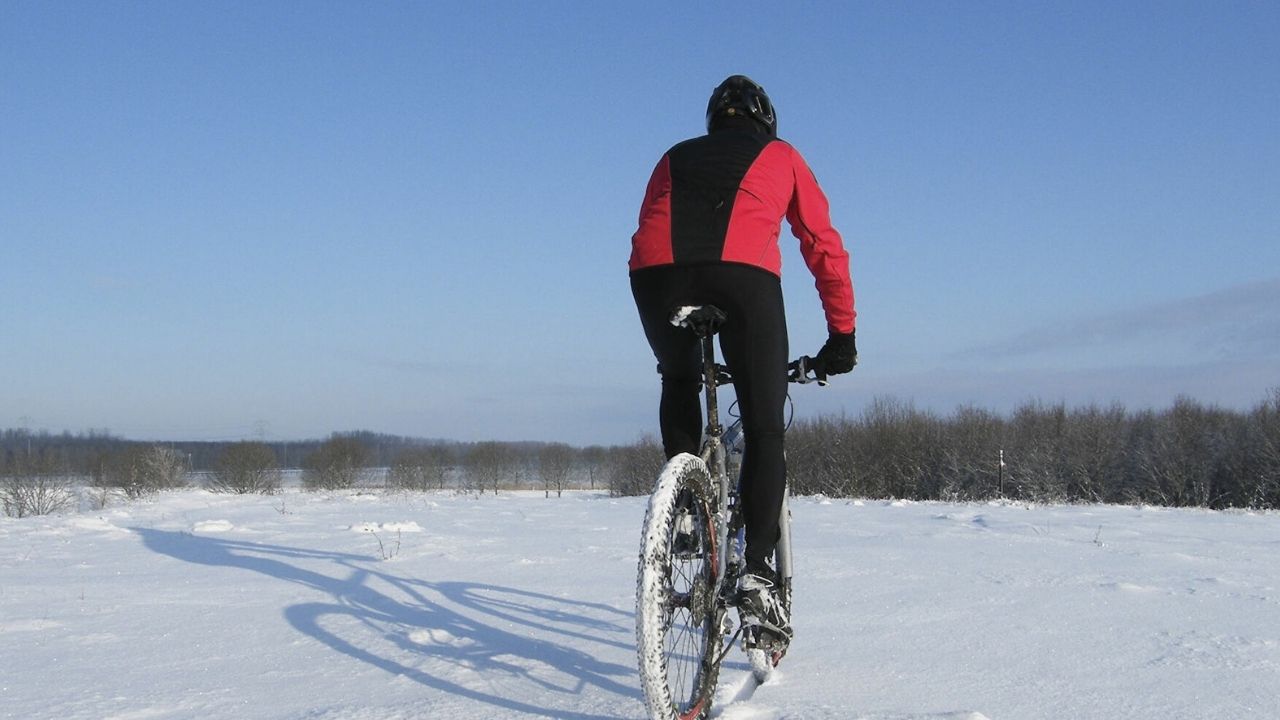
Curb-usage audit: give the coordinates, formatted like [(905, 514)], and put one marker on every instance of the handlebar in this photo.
[(799, 371), (705, 320)]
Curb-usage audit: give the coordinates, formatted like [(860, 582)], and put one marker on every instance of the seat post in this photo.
[(709, 379)]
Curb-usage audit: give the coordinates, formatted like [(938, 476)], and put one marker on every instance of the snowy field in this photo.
[(391, 607)]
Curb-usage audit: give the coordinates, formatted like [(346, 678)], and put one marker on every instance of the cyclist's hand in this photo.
[(837, 356)]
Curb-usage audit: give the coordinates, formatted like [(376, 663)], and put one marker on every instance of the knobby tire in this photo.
[(678, 621)]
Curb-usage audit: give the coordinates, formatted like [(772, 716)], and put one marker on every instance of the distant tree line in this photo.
[(42, 473), (1187, 455), (79, 452)]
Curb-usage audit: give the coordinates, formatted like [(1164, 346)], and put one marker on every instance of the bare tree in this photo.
[(488, 464), (635, 468), (1033, 451), (972, 447), (421, 468), (1263, 450), (338, 463), (246, 467), (1093, 449), (1181, 455), (594, 458), (900, 449), (554, 462), (822, 457)]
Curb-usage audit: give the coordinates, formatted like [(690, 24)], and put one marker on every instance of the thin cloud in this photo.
[(413, 367), (1242, 321), (1239, 384)]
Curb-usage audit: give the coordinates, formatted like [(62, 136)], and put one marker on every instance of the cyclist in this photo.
[(708, 234)]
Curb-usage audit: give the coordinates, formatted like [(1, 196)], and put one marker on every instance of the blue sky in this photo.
[(230, 219)]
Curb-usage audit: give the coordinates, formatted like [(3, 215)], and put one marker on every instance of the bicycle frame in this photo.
[(719, 443), (713, 452)]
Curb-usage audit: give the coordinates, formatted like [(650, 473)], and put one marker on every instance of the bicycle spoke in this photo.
[(677, 621)]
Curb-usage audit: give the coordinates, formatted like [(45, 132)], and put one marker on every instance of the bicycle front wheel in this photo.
[(678, 618)]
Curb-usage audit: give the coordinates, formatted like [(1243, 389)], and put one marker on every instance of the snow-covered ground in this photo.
[(390, 607)]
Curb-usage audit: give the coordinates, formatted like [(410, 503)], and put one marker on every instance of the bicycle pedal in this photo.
[(755, 637), (726, 624)]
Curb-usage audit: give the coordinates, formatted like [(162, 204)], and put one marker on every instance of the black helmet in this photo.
[(740, 95)]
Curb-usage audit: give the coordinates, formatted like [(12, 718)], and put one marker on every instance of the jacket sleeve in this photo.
[(822, 248), (651, 243)]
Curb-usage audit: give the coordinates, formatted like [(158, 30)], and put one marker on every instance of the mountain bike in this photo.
[(692, 555)]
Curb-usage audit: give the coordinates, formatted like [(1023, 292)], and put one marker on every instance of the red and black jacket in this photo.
[(721, 197)]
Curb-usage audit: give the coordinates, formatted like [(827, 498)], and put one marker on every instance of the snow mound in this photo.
[(1128, 587), (94, 523), (432, 636), (213, 526), (404, 527)]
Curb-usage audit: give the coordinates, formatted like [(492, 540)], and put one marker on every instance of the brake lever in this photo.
[(800, 369)]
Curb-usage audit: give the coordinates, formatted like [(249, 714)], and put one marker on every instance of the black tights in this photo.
[(754, 342)]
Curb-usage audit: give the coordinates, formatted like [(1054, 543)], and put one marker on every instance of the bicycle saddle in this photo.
[(703, 320)]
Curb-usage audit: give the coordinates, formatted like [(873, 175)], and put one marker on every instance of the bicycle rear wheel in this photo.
[(678, 617)]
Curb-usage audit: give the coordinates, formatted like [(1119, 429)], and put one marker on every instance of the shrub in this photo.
[(337, 464), (420, 468), (34, 486), (246, 467), (140, 471)]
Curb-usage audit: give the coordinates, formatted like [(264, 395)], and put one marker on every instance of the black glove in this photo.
[(837, 356)]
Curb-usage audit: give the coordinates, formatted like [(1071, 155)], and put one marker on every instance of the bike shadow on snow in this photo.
[(415, 618)]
